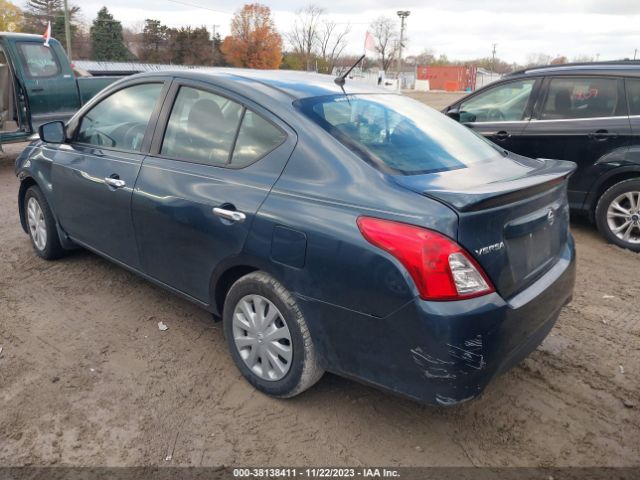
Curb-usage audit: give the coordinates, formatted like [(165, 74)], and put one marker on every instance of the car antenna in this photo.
[(340, 80)]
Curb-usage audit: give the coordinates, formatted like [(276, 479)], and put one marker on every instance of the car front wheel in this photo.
[(269, 338), (618, 214), (41, 225)]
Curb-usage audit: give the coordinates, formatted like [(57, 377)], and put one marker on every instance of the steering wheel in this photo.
[(495, 114), (102, 139), (133, 136)]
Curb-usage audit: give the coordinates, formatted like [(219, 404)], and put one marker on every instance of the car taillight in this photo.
[(440, 268)]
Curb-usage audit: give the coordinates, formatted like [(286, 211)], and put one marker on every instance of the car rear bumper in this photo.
[(442, 353)]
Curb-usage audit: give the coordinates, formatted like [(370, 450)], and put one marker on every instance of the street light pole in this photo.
[(67, 29), (403, 14)]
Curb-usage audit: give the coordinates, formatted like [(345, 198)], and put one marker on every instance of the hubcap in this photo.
[(623, 217), (262, 337), (37, 224)]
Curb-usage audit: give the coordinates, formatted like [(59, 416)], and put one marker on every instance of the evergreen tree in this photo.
[(155, 42), (58, 31), (37, 13), (106, 38), (191, 46)]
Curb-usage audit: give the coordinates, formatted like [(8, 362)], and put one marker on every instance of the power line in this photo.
[(199, 6)]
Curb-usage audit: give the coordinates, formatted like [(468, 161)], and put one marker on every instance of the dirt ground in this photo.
[(87, 378)]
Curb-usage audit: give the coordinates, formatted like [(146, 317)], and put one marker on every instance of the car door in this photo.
[(49, 82), (581, 119), (209, 170), (633, 98), (501, 112), (94, 175)]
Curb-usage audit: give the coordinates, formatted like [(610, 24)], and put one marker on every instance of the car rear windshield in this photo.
[(398, 133)]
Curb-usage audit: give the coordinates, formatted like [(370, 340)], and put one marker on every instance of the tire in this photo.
[(265, 369), (619, 208), (41, 225)]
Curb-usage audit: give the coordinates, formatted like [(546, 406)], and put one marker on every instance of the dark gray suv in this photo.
[(586, 113)]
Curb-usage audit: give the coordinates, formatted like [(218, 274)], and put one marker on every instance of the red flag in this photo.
[(369, 42), (47, 35)]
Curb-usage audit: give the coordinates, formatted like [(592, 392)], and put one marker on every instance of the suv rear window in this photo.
[(580, 98), (397, 133)]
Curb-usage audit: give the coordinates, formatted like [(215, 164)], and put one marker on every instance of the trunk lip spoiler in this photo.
[(552, 174)]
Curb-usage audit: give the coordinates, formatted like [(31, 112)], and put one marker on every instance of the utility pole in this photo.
[(635, 52), (403, 14), (493, 57), (213, 42), (67, 29)]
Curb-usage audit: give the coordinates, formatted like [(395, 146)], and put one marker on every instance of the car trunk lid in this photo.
[(513, 214)]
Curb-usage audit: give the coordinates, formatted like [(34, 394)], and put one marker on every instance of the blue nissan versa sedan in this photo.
[(334, 227)]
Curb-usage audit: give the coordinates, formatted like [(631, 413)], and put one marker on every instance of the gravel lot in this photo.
[(86, 378)]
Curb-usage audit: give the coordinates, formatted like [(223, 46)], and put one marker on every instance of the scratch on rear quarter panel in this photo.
[(448, 401), (470, 354), (431, 367)]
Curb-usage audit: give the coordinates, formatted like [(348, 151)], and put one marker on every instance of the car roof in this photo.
[(22, 36), (629, 68), (294, 84)]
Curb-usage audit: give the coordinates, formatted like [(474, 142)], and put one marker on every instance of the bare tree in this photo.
[(385, 33), (536, 59), (304, 35), (426, 57), (332, 42)]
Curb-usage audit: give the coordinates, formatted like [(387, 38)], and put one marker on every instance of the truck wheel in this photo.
[(269, 338), (41, 225), (618, 214)]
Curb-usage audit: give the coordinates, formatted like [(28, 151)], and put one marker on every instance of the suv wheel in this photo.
[(41, 225), (269, 338), (618, 214)]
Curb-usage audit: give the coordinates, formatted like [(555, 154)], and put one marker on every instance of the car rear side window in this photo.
[(256, 138), (211, 129), (570, 98), (202, 127), (39, 60), (633, 95), (120, 120)]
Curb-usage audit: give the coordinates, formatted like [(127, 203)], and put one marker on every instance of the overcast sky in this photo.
[(461, 29)]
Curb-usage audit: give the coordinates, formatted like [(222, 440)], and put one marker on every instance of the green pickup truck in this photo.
[(38, 85)]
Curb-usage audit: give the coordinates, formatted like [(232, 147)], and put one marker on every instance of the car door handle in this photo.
[(601, 135), (502, 135), (231, 215), (114, 182)]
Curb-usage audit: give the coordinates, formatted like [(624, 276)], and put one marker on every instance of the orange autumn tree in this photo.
[(254, 41)]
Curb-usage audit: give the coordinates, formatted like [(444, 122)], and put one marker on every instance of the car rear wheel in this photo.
[(269, 338), (618, 214), (41, 225)]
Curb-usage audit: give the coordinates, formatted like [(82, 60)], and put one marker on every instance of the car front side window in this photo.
[(506, 102), (120, 120), (571, 98)]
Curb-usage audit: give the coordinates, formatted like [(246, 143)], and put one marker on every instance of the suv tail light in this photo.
[(440, 268)]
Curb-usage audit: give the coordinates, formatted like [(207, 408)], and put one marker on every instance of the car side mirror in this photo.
[(52, 132), (454, 114)]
